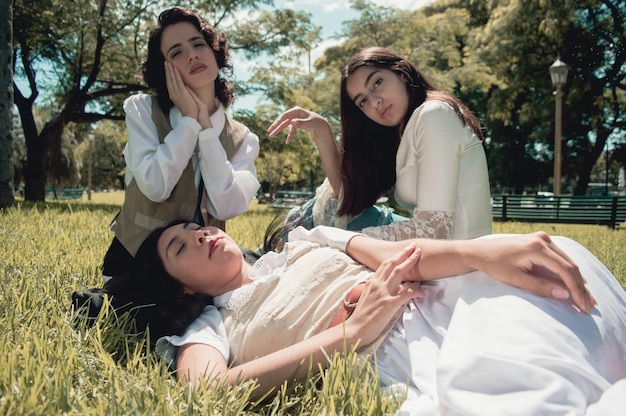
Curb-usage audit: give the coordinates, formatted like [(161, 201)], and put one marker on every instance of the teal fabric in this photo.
[(373, 216)]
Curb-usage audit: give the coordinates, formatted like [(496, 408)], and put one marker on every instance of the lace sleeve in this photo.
[(326, 206), (423, 224)]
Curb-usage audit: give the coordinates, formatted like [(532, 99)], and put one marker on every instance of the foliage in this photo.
[(49, 368), (296, 165), (90, 58), (108, 166), (495, 57)]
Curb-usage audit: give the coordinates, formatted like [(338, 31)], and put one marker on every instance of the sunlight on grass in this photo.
[(51, 249)]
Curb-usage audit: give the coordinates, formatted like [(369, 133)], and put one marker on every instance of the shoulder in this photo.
[(434, 116), (238, 129), (138, 103), (234, 124), (431, 109)]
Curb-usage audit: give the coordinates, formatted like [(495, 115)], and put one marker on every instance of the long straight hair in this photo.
[(369, 149)]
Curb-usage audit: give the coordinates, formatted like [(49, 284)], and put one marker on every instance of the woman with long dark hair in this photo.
[(400, 134), (516, 329)]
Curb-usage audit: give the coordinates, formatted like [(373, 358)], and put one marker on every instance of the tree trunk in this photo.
[(590, 159), (34, 174), (6, 104)]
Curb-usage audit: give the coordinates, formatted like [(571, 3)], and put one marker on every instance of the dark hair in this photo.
[(154, 72), (154, 299), (369, 149)]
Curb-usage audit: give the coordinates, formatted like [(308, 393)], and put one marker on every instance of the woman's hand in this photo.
[(179, 93), (299, 118), (535, 263), (189, 104), (384, 295)]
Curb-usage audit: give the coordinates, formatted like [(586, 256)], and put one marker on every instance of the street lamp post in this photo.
[(558, 74)]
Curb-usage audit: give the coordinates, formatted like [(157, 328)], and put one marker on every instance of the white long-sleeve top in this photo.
[(157, 167), (441, 178)]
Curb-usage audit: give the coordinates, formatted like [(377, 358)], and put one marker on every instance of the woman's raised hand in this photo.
[(385, 294), (298, 118), (179, 93)]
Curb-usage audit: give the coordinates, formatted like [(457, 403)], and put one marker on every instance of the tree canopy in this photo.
[(493, 55), (86, 57)]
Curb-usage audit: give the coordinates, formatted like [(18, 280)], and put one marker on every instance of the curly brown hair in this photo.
[(154, 72)]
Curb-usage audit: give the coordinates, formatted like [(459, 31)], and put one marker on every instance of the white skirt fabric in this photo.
[(475, 346)]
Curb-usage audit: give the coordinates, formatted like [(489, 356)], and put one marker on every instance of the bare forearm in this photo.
[(289, 364), (439, 258), (329, 154)]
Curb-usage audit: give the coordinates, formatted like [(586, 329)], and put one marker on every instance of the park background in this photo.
[(76, 61)]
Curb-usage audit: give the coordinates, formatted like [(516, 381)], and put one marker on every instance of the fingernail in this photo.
[(560, 293)]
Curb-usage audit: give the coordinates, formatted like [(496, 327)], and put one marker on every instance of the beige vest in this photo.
[(295, 304), (139, 215)]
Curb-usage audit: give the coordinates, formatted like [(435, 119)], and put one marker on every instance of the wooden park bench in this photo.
[(66, 193), (603, 210), (290, 199)]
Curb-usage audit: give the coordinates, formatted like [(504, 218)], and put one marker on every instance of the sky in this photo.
[(329, 15)]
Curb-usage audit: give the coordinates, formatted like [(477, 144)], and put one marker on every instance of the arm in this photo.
[(378, 305), (230, 185), (291, 363), (299, 118), (156, 167), (532, 262)]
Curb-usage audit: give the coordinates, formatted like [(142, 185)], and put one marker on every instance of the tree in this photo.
[(106, 144), (495, 57), (518, 43), (90, 57), (88, 73), (6, 104)]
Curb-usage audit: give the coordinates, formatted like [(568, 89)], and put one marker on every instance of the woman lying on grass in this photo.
[(515, 330)]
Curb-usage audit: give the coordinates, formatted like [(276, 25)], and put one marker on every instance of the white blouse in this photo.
[(442, 178), (156, 167)]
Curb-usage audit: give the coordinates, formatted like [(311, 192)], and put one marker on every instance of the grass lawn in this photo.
[(51, 249)]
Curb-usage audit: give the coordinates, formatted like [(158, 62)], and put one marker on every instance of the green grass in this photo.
[(49, 250)]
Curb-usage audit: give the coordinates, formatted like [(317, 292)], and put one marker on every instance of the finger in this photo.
[(286, 116), (548, 281), (402, 269), (387, 266), (277, 128), (573, 284), (394, 269), (289, 134), (573, 280), (168, 76)]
